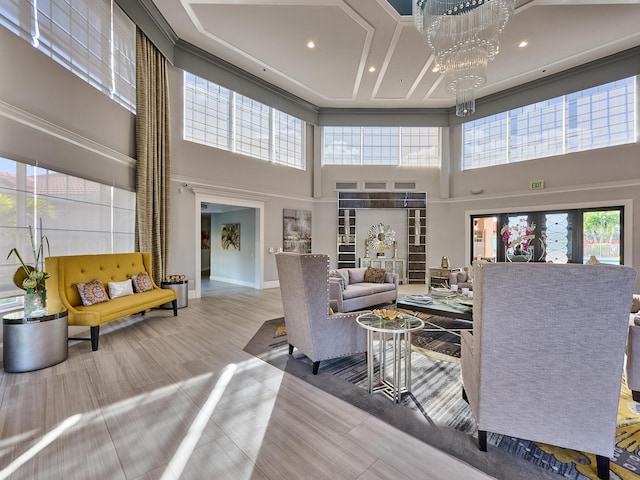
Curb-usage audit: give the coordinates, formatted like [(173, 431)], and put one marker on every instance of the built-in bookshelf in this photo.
[(415, 203)]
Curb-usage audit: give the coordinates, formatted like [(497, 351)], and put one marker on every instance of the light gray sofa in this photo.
[(547, 338), (304, 280), (349, 292), (633, 350)]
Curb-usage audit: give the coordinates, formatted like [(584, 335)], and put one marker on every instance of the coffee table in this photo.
[(443, 307), (400, 330)]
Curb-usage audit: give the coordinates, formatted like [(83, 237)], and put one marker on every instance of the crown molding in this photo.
[(34, 122)]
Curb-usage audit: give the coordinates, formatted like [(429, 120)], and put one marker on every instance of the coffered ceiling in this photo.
[(269, 39)]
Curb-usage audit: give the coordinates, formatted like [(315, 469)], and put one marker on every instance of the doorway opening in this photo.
[(229, 243)]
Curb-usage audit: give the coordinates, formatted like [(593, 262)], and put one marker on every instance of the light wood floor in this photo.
[(168, 398)]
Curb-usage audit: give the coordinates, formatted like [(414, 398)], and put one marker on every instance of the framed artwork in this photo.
[(230, 239), (296, 231), (205, 243)]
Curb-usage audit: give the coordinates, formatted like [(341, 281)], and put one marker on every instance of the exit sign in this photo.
[(536, 185)]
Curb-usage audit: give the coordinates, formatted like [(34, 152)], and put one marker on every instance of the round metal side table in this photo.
[(32, 343), (399, 330)]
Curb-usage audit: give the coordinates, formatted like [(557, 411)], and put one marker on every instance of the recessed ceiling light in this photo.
[(311, 44), (523, 43), (372, 69)]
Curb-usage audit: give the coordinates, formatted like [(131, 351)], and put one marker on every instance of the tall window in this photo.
[(563, 236), (598, 117), (94, 39), (78, 216), (221, 118), (411, 146)]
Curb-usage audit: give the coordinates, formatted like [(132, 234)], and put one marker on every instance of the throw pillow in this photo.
[(120, 289), (141, 282), (635, 304), (341, 273), (356, 275), (92, 292), (374, 275)]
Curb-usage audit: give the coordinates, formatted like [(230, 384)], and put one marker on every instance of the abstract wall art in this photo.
[(296, 231), (230, 239)]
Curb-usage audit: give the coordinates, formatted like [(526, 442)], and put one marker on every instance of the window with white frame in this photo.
[(597, 117), (77, 216), (406, 146), (94, 39), (220, 118)]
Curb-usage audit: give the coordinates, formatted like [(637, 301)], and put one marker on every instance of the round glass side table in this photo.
[(32, 343), (399, 330)]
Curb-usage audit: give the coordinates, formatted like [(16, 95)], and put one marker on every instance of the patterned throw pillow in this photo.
[(92, 292), (141, 282), (374, 275), (120, 289)]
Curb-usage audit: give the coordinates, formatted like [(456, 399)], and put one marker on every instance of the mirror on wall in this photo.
[(381, 237)]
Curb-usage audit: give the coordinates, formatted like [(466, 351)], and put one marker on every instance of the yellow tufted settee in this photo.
[(67, 271)]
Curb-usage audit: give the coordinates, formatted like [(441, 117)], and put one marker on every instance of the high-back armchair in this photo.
[(304, 288), (546, 339)]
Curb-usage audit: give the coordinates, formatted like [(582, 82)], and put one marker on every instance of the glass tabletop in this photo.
[(453, 304), (17, 318), (374, 322)]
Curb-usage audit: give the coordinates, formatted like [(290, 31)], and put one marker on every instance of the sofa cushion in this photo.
[(356, 275), (120, 289), (363, 289), (141, 282), (92, 293), (374, 275)]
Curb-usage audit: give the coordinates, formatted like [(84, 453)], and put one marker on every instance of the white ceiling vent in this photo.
[(375, 185), (346, 185), (404, 185)]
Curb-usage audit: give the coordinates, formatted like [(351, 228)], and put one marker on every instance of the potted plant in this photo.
[(32, 279)]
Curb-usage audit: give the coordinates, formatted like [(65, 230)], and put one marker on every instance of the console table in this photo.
[(391, 265), (439, 277), (32, 343)]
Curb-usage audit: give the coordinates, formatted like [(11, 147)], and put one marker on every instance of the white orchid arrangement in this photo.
[(28, 277)]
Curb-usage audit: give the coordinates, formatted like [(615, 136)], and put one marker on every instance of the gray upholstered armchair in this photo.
[(304, 287), (548, 337)]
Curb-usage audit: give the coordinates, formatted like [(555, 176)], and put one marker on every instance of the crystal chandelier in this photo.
[(464, 37)]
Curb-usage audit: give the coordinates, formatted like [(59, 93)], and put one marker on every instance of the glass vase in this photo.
[(518, 254), (33, 304)]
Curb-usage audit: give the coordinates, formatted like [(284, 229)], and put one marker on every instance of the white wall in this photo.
[(49, 116)]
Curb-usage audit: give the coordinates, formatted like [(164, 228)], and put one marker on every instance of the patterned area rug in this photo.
[(440, 338), (436, 396)]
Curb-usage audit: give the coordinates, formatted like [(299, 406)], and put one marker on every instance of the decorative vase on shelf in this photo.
[(518, 254), (35, 303)]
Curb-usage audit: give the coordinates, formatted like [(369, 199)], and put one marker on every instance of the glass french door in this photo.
[(564, 236)]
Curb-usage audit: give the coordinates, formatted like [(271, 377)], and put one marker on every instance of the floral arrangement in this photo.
[(32, 278), (521, 234)]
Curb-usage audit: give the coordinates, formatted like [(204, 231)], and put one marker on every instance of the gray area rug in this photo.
[(434, 412)]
